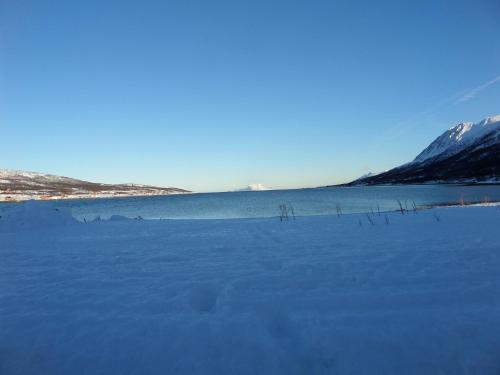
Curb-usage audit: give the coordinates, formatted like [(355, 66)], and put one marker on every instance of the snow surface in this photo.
[(458, 137), (411, 294), (31, 216)]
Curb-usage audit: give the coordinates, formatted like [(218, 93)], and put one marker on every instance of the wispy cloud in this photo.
[(404, 127), (472, 93), (461, 96), (427, 116)]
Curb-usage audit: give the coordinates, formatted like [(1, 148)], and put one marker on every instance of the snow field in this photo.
[(318, 295)]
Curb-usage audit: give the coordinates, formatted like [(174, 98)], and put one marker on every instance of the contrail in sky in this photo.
[(472, 93)]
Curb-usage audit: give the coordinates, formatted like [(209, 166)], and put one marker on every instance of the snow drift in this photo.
[(35, 215)]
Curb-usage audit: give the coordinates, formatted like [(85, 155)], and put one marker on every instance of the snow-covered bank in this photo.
[(416, 293)]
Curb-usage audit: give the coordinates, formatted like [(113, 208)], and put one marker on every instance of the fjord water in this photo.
[(305, 202)]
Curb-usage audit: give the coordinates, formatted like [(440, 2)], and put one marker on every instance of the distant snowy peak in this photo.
[(365, 176), (458, 137), (255, 187), (369, 174)]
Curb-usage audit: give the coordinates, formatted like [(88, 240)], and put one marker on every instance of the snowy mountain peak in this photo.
[(458, 137), (490, 120), (255, 187), (457, 131), (465, 153)]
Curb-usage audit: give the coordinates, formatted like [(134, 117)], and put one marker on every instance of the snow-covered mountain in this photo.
[(255, 187), (457, 138), (466, 152), (21, 185)]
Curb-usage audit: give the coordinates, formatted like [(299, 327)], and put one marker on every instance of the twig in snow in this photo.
[(370, 220), (283, 212), (401, 209), (414, 207), (462, 200)]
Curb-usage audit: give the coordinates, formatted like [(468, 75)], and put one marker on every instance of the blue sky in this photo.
[(216, 95)]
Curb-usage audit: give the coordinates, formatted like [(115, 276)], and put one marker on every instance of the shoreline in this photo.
[(407, 210), (458, 183), (69, 198)]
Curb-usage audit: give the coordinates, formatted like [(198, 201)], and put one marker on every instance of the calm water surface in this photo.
[(266, 203)]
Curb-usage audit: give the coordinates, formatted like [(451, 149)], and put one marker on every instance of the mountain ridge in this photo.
[(23, 185), (465, 153), (458, 137)]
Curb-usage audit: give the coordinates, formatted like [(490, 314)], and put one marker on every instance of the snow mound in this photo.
[(34, 215)]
